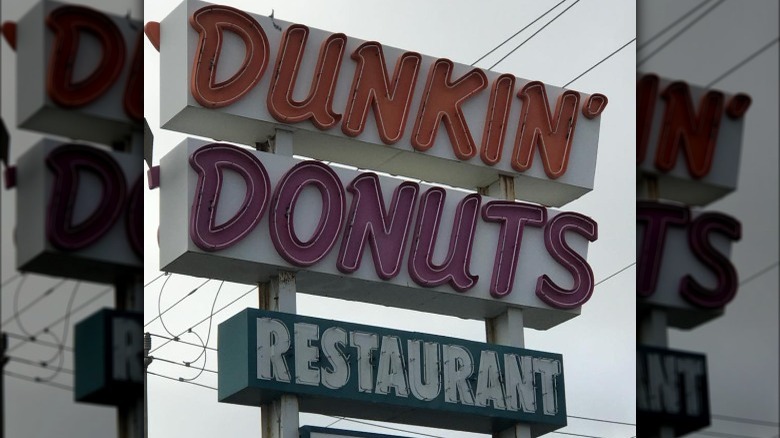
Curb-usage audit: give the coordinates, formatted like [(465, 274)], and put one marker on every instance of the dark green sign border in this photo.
[(238, 382)]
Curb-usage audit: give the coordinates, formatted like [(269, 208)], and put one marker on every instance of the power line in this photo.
[(599, 63), (10, 279), (180, 341), (534, 34), (183, 364), (45, 294), (157, 278), (38, 341), (680, 32), (182, 381), (602, 421), (577, 434), (204, 319), (516, 33), (614, 274), (159, 315), (35, 363), (745, 420), (743, 62), (759, 273), (36, 380), (62, 318), (671, 25)]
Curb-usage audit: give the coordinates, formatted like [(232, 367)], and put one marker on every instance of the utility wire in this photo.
[(157, 278), (62, 318), (181, 364), (37, 363), (516, 33), (602, 421), (680, 32), (36, 380), (743, 62), (38, 341), (671, 25), (10, 279), (745, 420), (204, 319), (759, 273), (613, 274), (159, 315), (533, 35), (182, 381), (577, 434), (180, 341), (600, 62), (32, 303)]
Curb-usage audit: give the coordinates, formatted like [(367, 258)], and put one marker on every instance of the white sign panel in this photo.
[(241, 215), (230, 75), (689, 139)]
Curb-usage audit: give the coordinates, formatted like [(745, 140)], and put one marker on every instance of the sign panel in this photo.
[(327, 432), (241, 215), (671, 391), (688, 139), (230, 75), (683, 262), (79, 67), (108, 357), (338, 368), (79, 212)]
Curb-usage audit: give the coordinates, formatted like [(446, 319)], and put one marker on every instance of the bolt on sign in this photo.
[(683, 262), (241, 215), (688, 138), (79, 212), (231, 75), (78, 67), (672, 390), (338, 368), (108, 345)]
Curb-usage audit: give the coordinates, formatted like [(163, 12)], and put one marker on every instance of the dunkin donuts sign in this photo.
[(234, 76), (355, 234)]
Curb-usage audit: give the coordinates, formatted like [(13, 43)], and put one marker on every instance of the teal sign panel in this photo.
[(339, 368), (109, 357)]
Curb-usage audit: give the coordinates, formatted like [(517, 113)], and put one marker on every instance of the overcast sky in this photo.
[(597, 347), (741, 346)]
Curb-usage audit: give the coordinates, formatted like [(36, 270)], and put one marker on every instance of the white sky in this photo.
[(597, 347)]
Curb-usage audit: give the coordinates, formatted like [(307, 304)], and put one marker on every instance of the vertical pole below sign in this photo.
[(279, 419), (507, 328)]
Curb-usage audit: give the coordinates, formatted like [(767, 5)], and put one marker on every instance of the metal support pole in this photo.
[(147, 361), (3, 361), (130, 416), (279, 419), (507, 328)]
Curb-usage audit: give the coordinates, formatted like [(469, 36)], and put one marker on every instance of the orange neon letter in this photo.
[(318, 105), (554, 136), (682, 127), (68, 22), (441, 102), (496, 120), (371, 86), (646, 92), (211, 22)]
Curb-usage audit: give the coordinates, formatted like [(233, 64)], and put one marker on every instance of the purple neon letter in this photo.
[(283, 235), (657, 218), (210, 162), (513, 216), (698, 238), (369, 220), (455, 268), (66, 162), (579, 268)]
